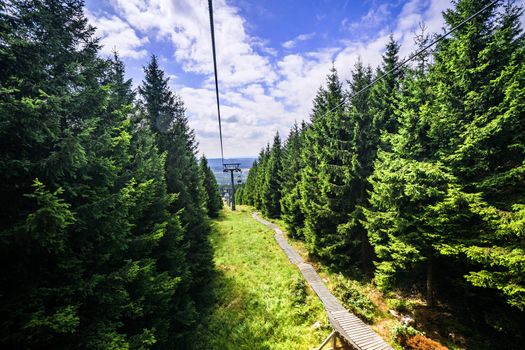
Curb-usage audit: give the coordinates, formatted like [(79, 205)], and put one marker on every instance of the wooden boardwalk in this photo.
[(348, 326)]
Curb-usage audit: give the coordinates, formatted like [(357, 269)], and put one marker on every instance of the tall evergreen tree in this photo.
[(383, 95), (271, 190), (248, 196), (324, 182), (363, 151), (451, 215), (291, 211), (213, 195), (261, 177), (89, 229), (487, 153), (166, 115)]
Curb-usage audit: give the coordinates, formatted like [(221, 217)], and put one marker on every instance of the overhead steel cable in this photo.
[(410, 58), (210, 6)]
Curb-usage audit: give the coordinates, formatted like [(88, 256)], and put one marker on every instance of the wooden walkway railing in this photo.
[(349, 327)]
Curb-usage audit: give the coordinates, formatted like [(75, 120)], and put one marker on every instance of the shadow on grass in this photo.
[(236, 320)]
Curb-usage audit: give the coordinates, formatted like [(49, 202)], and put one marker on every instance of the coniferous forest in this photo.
[(417, 182), (411, 177), (103, 202)]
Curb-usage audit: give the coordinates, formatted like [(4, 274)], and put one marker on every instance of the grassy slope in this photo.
[(255, 290)]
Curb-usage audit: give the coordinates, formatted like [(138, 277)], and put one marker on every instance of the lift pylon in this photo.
[(232, 168)]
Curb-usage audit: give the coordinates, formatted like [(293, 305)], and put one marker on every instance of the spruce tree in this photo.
[(248, 196), (166, 116), (383, 95), (213, 196), (291, 211), (271, 190), (324, 182), (86, 213), (362, 147), (261, 177), (457, 221), (487, 155)]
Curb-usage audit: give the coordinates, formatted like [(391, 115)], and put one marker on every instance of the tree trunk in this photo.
[(366, 253), (430, 290)]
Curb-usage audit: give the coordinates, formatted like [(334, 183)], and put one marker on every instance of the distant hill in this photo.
[(224, 178)]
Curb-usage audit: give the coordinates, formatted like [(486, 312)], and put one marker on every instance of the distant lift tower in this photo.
[(232, 168)]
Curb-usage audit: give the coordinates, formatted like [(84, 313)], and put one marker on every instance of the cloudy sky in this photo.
[(272, 55)]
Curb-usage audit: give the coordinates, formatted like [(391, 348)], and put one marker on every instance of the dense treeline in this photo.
[(418, 180), (103, 204)]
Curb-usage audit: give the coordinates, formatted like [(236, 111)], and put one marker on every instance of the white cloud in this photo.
[(115, 33), (261, 92), (301, 37), (373, 18), (185, 24)]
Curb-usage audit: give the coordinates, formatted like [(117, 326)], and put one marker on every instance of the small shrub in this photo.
[(420, 342), (402, 333), (401, 305), (298, 290), (347, 291)]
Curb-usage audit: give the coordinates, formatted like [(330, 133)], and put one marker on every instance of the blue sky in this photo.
[(272, 55)]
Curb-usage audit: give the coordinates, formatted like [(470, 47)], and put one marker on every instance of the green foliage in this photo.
[(213, 196), (47, 225), (298, 290), (401, 332), (419, 178), (185, 183), (271, 190), (291, 209), (325, 182), (94, 248), (239, 194), (249, 192), (263, 184), (401, 305), (349, 293)]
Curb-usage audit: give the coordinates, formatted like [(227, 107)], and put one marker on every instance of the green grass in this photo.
[(262, 302)]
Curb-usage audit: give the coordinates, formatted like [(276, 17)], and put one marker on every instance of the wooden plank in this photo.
[(367, 344), (353, 324), (378, 346), (355, 332), (348, 321)]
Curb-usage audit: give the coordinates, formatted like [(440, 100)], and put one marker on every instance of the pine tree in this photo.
[(261, 177), (249, 189), (167, 119), (271, 190), (324, 186), (88, 227), (488, 155), (213, 196), (291, 211)]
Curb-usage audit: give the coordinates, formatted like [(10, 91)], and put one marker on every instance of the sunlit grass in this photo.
[(256, 286)]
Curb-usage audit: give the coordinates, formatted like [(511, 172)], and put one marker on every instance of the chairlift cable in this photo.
[(210, 6)]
